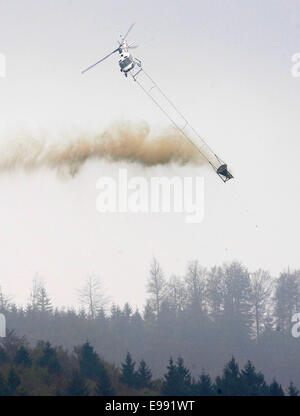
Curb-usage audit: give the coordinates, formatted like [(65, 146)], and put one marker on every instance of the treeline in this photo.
[(51, 371), (205, 316)]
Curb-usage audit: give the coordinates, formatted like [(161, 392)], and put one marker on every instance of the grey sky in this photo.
[(227, 66)]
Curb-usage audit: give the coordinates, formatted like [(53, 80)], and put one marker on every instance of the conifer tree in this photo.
[(229, 383), (170, 384), (128, 376), (104, 386), (177, 380), (204, 386), (252, 383), (13, 382), (143, 375), (292, 390), (49, 359), (3, 386), (77, 386), (22, 357), (275, 389), (43, 300), (89, 362), (184, 377), (3, 355)]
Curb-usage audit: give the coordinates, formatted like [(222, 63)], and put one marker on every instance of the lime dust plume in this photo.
[(123, 141)]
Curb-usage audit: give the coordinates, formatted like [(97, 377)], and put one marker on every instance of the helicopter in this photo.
[(126, 61)]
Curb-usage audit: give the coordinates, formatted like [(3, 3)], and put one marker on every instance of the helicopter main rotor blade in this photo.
[(101, 60), (129, 30), (132, 45)]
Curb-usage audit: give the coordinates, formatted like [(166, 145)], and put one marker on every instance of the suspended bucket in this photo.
[(224, 173)]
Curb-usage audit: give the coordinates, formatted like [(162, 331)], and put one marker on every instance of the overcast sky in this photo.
[(227, 66)]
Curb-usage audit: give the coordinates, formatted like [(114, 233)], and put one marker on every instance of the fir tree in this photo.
[(4, 391), (204, 386), (49, 359), (292, 390), (104, 386), (77, 386), (170, 380), (13, 382), (43, 300), (184, 377), (128, 373), (177, 380), (22, 357), (89, 363), (275, 389), (252, 383), (3, 355), (229, 383), (143, 375)]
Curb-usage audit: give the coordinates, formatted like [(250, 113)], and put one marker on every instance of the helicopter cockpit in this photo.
[(126, 63)]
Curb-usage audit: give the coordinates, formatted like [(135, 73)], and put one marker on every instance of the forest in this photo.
[(50, 371), (204, 333)]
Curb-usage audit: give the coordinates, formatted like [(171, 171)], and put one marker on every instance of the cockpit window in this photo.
[(125, 62)]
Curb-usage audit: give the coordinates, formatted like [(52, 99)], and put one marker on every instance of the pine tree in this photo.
[(204, 386), (104, 386), (49, 359), (170, 383), (39, 298), (22, 357), (275, 389), (128, 373), (229, 383), (43, 300), (77, 386), (4, 391), (13, 382), (3, 355), (184, 377), (292, 390), (143, 375), (177, 380), (89, 362), (252, 383)]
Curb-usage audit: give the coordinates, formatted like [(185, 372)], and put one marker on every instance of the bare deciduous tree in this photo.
[(4, 301), (157, 286), (92, 296), (286, 299), (196, 286), (261, 289), (177, 294)]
